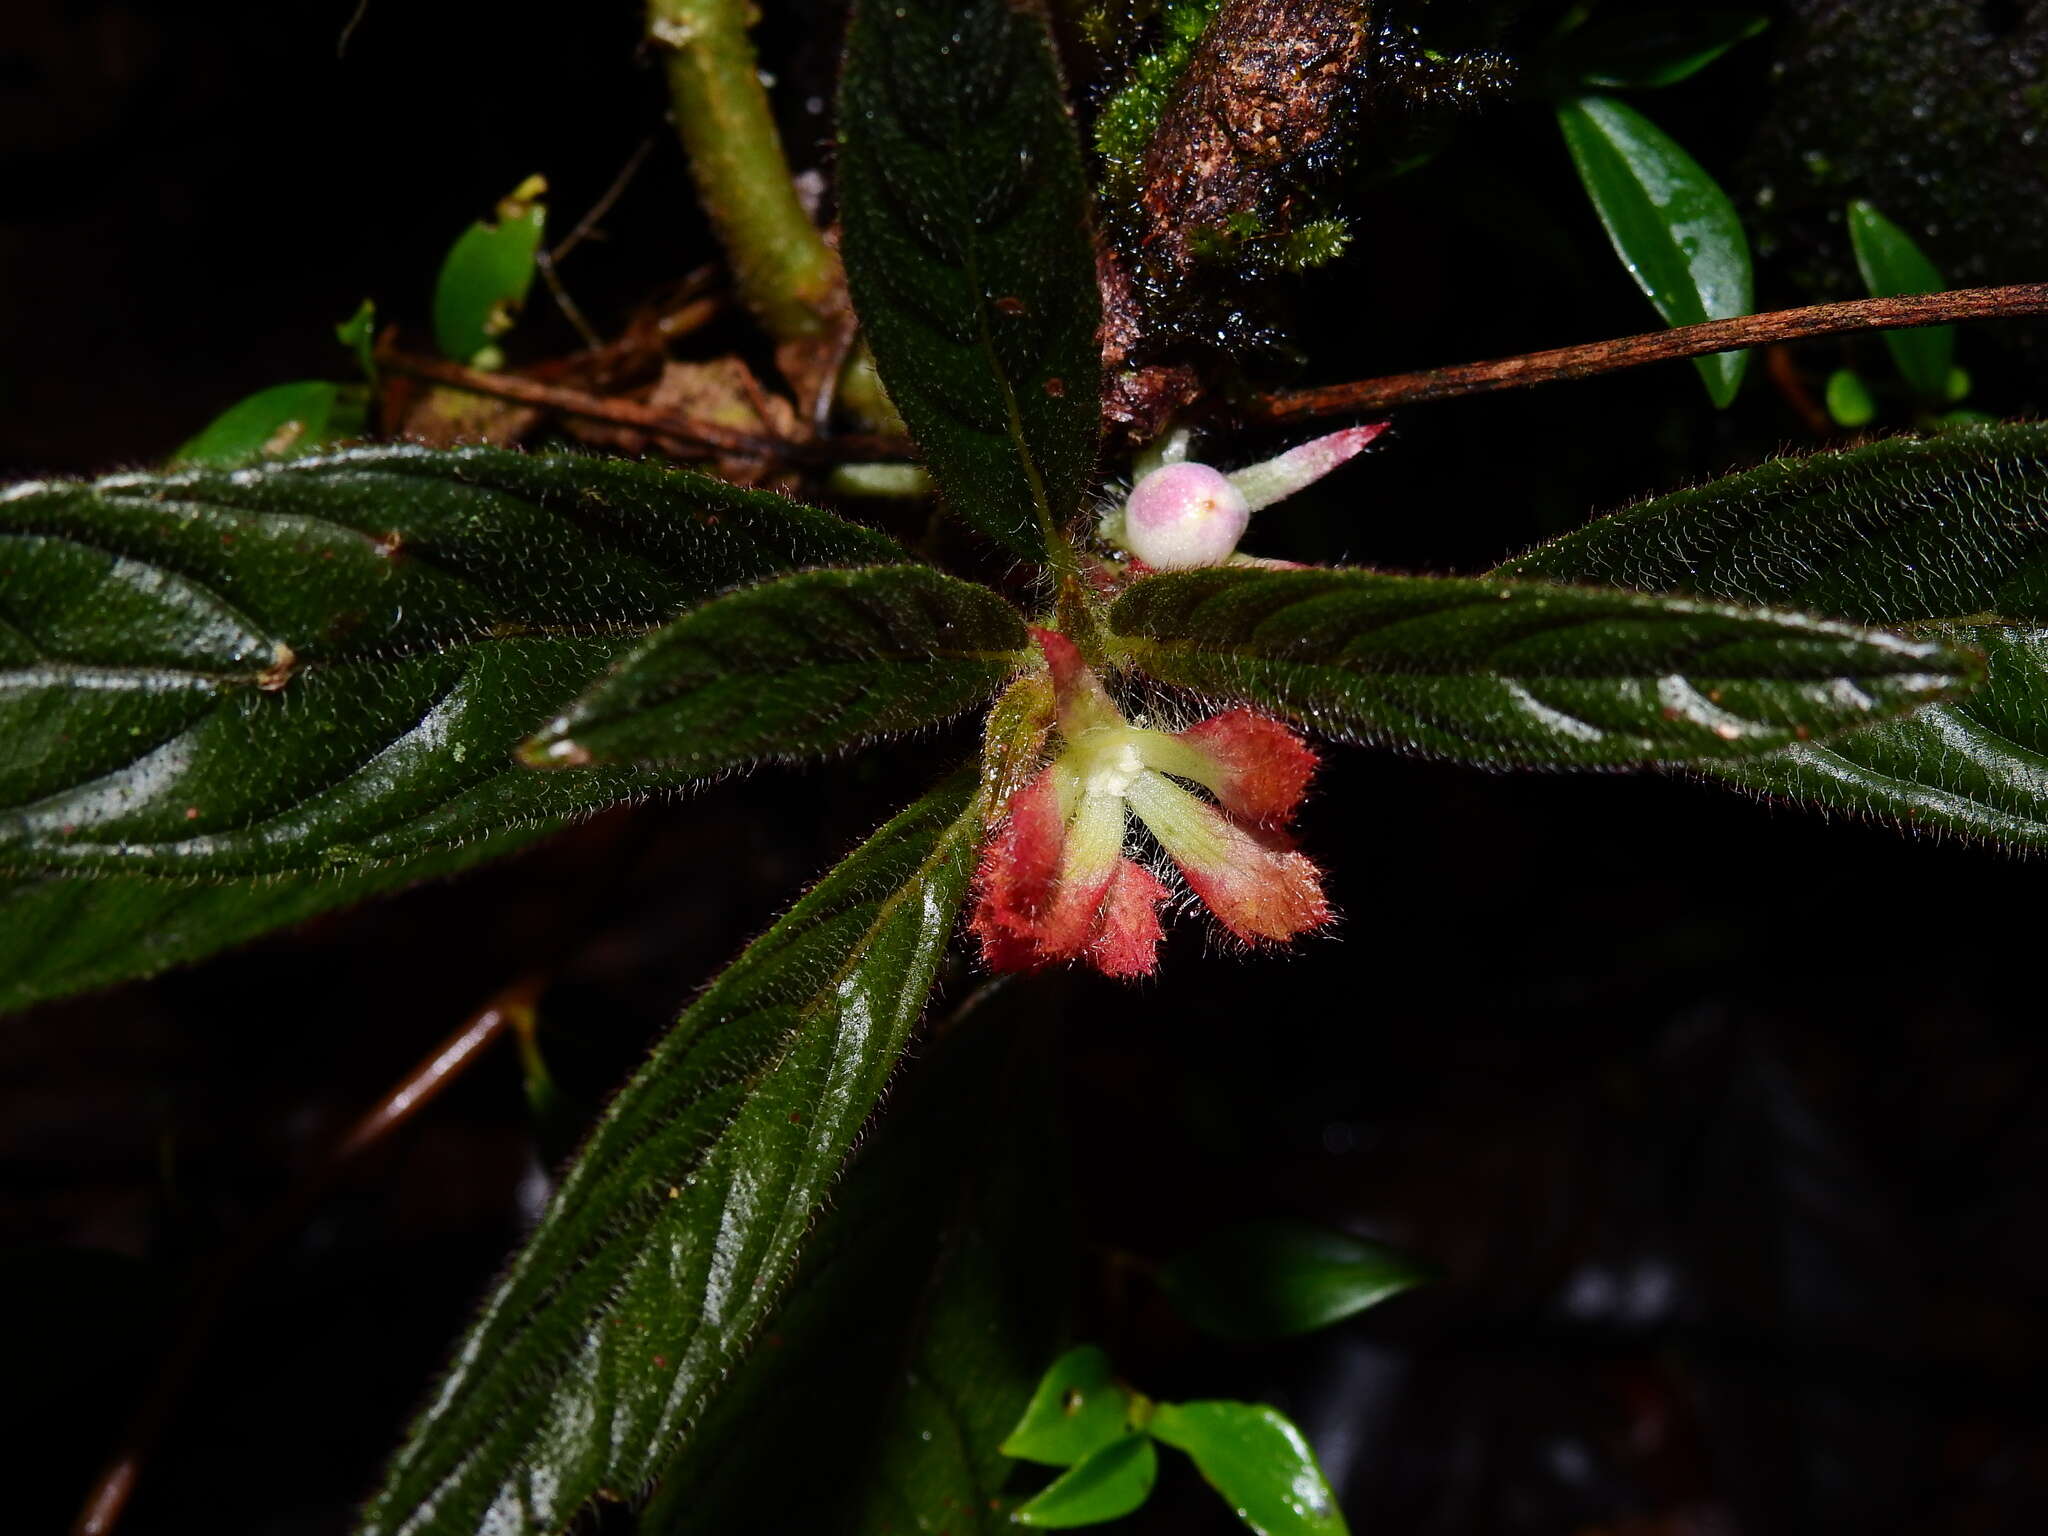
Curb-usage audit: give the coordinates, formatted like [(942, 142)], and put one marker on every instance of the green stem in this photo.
[(786, 273)]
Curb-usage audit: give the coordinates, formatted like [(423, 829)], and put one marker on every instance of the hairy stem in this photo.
[(786, 273), (1599, 357)]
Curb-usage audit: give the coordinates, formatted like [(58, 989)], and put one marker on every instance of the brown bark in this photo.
[(1263, 93)]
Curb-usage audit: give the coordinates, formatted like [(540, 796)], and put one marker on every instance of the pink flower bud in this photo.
[(1184, 515)]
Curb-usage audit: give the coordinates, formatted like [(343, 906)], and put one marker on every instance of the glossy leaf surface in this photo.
[(1670, 222), (966, 244), (1641, 50), (1905, 531), (284, 419), (925, 1305), (1892, 264), (327, 663), (673, 1234), (65, 934), (1271, 1279), (796, 666), (1077, 1408), (1506, 673), (1105, 1486), (1255, 1457)]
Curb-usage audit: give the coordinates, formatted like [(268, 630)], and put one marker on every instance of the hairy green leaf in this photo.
[(1670, 222), (61, 934), (1949, 533), (1256, 1458), (965, 209), (800, 665), (280, 420), (1106, 1485), (915, 1327), (1892, 264), (1271, 1279), (1521, 673), (674, 1232), (326, 663)]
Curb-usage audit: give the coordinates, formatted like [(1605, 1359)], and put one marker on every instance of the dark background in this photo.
[(1724, 1123)]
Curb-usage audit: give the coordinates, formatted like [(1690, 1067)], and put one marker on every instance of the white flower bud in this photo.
[(1182, 516)]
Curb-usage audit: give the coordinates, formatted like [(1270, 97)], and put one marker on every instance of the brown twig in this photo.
[(103, 1506), (588, 223), (646, 418), (1904, 312)]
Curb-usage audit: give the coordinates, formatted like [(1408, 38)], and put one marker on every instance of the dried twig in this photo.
[(647, 418), (1904, 312)]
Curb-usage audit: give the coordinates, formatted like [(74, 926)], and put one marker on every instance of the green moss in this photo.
[(1130, 117)]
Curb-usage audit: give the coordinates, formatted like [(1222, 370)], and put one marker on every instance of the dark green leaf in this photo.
[(966, 243), (1671, 224), (1892, 264), (66, 934), (1898, 532), (1507, 673), (275, 422), (1077, 1408), (673, 1234), (1258, 1461), (1640, 50), (1106, 1486), (925, 1304), (327, 662), (1270, 1279), (485, 277), (798, 666)]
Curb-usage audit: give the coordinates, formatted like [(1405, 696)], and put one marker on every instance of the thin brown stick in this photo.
[(603, 206), (1902, 313), (102, 1509), (647, 418)]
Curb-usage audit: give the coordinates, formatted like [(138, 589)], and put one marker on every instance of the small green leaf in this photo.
[(485, 277), (1642, 50), (326, 663), (1105, 1485), (675, 1231), (276, 422), (1670, 222), (1849, 400), (1272, 1279), (794, 667), (1891, 265), (1258, 1461), (965, 207), (1078, 1408), (1948, 533), (1512, 673), (359, 334), (934, 1290)]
